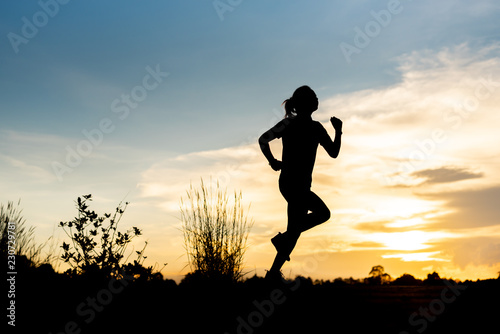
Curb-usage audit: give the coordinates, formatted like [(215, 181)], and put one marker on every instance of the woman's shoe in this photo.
[(274, 276)]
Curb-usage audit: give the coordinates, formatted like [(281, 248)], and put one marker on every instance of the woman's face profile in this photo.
[(311, 101)]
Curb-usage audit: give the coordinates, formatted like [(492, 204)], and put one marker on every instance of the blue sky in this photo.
[(222, 72), (226, 81), (226, 72)]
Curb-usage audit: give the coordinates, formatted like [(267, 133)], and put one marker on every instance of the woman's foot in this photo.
[(274, 276), (281, 243)]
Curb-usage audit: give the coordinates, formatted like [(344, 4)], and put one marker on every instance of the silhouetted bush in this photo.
[(97, 247), (215, 233), (339, 281), (433, 279)]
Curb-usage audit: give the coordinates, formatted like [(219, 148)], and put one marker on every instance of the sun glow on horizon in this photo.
[(406, 222), (417, 257), (407, 241)]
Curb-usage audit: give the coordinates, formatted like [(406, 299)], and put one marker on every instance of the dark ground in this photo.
[(60, 305)]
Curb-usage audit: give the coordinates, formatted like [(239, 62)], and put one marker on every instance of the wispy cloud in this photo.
[(445, 175), (26, 170)]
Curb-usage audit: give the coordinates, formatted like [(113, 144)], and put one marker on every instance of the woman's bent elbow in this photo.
[(325, 214), (263, 140)]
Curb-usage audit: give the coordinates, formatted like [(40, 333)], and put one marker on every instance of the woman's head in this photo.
[(303, 102)]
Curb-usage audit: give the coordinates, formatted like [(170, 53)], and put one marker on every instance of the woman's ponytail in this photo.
[(289, 108)]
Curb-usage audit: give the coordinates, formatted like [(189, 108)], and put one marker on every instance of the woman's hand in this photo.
[(276, 164), (337, 123)]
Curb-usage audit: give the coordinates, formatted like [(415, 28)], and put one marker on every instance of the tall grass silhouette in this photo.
[(24, 236), (215, 232)]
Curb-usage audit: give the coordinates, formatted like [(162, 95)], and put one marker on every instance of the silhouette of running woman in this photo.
[(300, 136)]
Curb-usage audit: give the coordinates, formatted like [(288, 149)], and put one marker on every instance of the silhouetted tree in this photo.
[(406, 279), (378, 276), (215, 232)]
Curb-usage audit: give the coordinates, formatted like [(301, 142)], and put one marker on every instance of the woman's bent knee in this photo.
[(325, 215)]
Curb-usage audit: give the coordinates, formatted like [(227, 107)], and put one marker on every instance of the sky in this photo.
[(136, 102)]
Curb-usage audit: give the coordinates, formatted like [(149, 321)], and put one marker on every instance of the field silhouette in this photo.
[(55, 303)]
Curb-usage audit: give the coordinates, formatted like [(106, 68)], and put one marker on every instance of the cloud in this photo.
[(445, 175), (475, 251), (27, 170), (467, 208), (25, 157), (396, 224), (374, 226), (367, 244), (233, 168)]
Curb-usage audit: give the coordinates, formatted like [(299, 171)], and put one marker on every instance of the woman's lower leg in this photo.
[(284, 255)]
